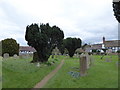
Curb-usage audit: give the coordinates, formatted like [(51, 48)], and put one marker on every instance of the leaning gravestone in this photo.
[(83, 65), (6, 55)]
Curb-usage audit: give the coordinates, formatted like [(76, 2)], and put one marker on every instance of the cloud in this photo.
[(89, 20)]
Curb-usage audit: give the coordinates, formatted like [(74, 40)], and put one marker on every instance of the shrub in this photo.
[(118, 51), (35, 57), (10, 46)]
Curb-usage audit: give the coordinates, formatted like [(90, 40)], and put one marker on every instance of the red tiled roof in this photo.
[(27, 48), (113, 43), (96, 46)]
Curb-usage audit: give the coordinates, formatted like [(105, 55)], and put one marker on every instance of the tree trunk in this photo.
[(41, 55)]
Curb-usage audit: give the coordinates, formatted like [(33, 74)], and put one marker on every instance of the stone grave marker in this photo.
[(83, 65), (38, 65), (6, 55), (15, 56), (91, 60), (88, 60)]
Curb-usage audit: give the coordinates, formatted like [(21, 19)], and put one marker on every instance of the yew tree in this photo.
[(71, 44), (44, 39), (9, 46)]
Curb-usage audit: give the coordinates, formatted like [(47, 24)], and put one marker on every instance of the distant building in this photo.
[(114, 45), (26, 49), (89, 48)]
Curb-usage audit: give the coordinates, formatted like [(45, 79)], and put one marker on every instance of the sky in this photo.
[(88, 20)]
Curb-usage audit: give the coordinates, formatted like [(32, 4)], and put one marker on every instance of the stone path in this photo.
[(50, 75)]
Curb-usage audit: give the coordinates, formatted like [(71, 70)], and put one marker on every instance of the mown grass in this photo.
[(101, 74), (20, 73), (0, 72)]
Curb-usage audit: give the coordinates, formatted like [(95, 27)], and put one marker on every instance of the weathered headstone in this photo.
[(6, 55), (15, 56), (38, 65), (91, 60), (83, 65), (88, 60)]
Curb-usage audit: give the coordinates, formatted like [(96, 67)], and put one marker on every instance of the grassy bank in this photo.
[(101, 74), (20, 73)]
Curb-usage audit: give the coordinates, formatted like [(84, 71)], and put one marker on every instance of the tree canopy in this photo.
[(44, 39), (10, 46), (71, 44)]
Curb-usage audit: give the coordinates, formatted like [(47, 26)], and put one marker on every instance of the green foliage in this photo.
[(10, 46), (66, 51), (35, 57), (94, 50), (71, 44), (44, 39), (116, 9), (61, 47), (118, 51), (48, 63), (104, 50)]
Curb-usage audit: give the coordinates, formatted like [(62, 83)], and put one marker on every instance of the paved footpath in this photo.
[(50, 75)]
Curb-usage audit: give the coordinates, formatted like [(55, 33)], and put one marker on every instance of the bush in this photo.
[(118, 51), (35, 57), (10, 46)]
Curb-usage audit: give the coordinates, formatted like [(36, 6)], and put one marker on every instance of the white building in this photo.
[(114, 45)]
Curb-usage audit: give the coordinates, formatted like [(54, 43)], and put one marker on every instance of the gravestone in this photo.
[(15, 56), (6, 55), (83, 65), (88, 60), (38, 65), (91, 60)]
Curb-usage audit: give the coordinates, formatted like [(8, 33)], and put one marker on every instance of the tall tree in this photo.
[(61, 48), (71, 44), (10, 46), (116, 9), (44, 39)]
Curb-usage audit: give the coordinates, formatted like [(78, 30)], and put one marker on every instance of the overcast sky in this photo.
[(89, 20)]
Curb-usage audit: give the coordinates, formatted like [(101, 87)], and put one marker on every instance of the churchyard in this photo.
[(18, 72)]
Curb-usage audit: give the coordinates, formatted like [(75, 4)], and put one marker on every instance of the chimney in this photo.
[(103, 40)]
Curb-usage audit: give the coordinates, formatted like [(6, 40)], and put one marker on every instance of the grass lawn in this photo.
[(20, 73), (100, 75), (0, 73)]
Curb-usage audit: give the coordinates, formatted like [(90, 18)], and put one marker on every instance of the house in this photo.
[(89, 48), (26, 49), (114, 45)]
